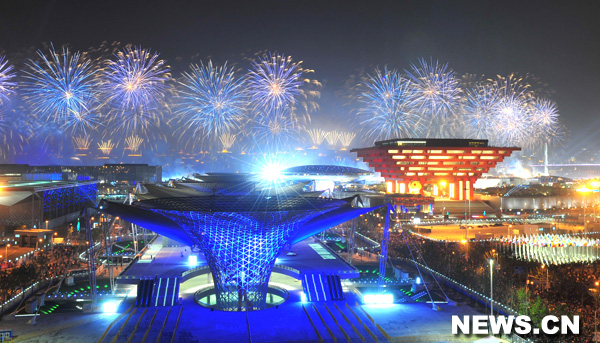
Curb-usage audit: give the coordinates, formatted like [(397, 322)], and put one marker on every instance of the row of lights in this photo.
[(24, 255), (27, 289)]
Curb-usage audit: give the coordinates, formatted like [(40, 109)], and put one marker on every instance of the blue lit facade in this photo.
[(33, 203), (239, 236), (241, 249), (68, 199)]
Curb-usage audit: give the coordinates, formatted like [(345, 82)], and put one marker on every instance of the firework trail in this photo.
[(317, 136), (276, 133), (82, 142), (133, 143), (346, 138), (546, 121), (135, 85), (480, 104), (332, 138), (106, 147), (211, 102), (62, 89), (386, 106), (7, 85), (227, 139), (8, 136), (10, 139), (436, 94)]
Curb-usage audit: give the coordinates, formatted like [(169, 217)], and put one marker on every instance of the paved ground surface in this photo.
[(292, 321), (172, 261), (288, 323), (413, 322)]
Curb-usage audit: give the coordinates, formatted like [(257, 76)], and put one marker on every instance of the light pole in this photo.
[(547, 277), (595, 326), (491, 262), (442, 186), (583, 190), (6, 253)]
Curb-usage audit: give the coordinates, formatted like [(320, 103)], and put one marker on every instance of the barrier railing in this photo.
[(113, 323), (176, 325), (123, 326), (312, 324), (325, 324), (137, 325), (163, 326), (36, 286), (149, 326)]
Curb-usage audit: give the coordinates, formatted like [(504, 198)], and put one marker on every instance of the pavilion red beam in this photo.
[(407, 165)]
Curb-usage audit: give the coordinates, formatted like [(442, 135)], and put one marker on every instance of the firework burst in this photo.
[(133, 144), (106, 147), (82, 142), (211, 102), (274, 82), (436, 94), (386, 106), (135, 84), (436, 87), (546, 121), (276, 133), (279, 86), (332, 138), (346, 138), (62, 89), (317, 136), (7, 74), (10, 138), (227, 140), (513, 120), (479, 109)]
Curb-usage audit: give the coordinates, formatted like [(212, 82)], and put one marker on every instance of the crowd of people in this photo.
[(526, 286), (44, 264)]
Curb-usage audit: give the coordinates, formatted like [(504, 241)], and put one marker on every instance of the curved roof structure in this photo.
[(240, 236), (325, 170), (237, 204)]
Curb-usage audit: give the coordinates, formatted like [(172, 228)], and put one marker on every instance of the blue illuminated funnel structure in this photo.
[(239, 236)]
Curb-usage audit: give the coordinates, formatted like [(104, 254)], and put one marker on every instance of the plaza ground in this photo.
[(293, 321), (407, 322)]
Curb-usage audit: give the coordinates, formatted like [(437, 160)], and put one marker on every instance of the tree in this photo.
[(538, 310), (522, 301)]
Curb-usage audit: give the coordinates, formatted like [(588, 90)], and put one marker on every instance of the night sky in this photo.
[(558, 42)]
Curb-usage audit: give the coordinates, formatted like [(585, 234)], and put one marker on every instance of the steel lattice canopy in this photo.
[(239, 236), (241, 204)]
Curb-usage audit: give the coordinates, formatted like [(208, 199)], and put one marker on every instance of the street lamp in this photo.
[(442, 186), (36, 243), (6, 252), (46, 225), (583, 190), (547, 277), (491, 261)]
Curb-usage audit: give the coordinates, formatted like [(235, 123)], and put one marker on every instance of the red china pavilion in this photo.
[(407, 165)]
